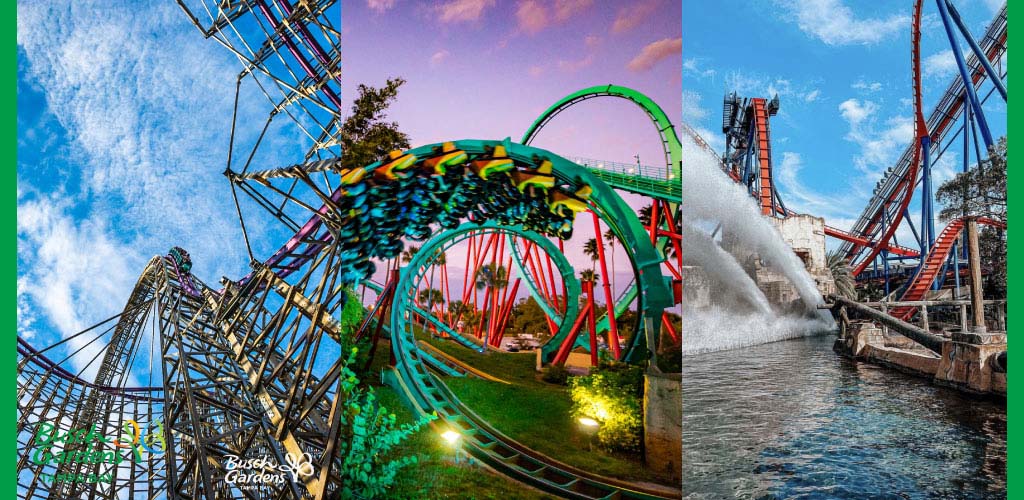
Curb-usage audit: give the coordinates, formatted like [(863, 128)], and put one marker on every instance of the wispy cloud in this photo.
[(832, 22), (939, 65), (439, 57), (380, 6), (655, 52), (461, 11), (147, 136), (632, 16), (758, 85), (573, 66), (694, 65), (866, 86), (533, 16)]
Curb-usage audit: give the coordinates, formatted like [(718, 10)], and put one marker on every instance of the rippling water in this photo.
[(792, 419)]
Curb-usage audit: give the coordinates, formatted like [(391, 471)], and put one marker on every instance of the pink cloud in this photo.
[(458, 11), (655, 52), (564, 9), (532, 16), (631, 17), (574, 66)]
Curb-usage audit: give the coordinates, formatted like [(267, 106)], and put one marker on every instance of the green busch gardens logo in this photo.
[(52, 443)]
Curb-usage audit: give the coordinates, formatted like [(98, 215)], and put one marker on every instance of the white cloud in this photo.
[(148, 137), (802, 199), (940, 64), (460, 11), (380, 6), (880, 146), (855, 111), (655, 52), (693, 65), (79, 273), (756, 85), (866, 86), (834, 23)]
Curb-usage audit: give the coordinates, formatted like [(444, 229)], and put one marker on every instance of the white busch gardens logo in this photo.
[(263, 470)]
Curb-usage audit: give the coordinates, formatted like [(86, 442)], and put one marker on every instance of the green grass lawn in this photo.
[(533, 412)]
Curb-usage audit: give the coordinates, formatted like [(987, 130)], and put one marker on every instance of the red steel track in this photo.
[(933, 265)]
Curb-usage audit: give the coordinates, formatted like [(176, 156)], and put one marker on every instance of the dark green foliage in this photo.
[(555, 374), (613, 395), (365, 137), (981, 191), (352, 314), (528, 317), (368, 433)]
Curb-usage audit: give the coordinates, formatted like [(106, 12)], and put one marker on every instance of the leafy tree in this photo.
[(528, 317), (842, 275), (981, 192), (365, 136)]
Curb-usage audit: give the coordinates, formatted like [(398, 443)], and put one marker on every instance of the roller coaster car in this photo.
[(566, 205), (447, 156), (394, 166), (181, 258), (496, 163)]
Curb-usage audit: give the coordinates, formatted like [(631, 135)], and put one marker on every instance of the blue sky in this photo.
[(842, 73), (120, 154)]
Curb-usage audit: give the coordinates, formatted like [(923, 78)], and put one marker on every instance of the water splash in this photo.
[(710, 197)]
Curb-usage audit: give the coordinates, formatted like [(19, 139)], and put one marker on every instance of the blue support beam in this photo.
[(993, 76), (979, 114)]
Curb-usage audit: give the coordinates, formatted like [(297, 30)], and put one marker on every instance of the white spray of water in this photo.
[(701, 250), (709, 196)]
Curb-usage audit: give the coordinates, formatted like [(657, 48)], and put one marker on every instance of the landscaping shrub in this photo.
[(555, 374), (367, 435), (613, 396)]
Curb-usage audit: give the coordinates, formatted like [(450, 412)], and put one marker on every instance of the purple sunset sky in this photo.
[(485, 69)]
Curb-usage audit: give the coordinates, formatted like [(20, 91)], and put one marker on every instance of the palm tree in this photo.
[(492, 278), (591, 249), (409, 253), (431, 297), (645, 215), (589, 275), (609, 236), (841, 274)]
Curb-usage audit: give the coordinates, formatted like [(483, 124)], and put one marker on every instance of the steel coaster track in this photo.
[(428, 394), (894, 191), (934, 264), (660, 189)]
